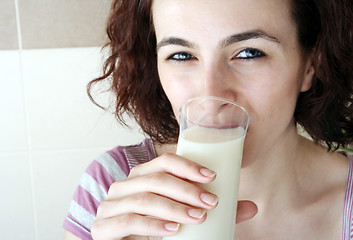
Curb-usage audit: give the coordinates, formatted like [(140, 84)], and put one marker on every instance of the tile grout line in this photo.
[(18, 25), (26, 116)]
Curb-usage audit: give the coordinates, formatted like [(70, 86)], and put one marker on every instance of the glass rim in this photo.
[(218, 99)]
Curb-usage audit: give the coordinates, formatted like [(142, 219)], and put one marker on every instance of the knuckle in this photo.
[(175, 207), (96, 229), (168, 155), (191, 190), (134, 170), (142, 198), (115, 187), (190, 164), (138, 170), (157, 178), (171, 158), (152, 226), (166, 159), (101, 209), (126, 220)]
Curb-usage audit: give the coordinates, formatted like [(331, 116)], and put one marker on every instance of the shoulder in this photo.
[(117, 162), (114, 165), (349, 187), (111, 166), (348, 202), (129, 156)]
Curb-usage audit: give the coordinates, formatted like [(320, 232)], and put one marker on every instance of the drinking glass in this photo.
[(212, 133)]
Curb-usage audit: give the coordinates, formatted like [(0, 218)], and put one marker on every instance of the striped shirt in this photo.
[(347, 230), (115, 165)]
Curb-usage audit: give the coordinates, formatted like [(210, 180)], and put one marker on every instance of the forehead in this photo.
[(224, 17)]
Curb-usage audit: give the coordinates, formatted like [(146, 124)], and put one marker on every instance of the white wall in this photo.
[(49, 133)]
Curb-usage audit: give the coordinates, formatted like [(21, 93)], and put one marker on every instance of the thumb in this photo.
[(245, 211)]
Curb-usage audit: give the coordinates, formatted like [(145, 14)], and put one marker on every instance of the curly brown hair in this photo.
[(324, 27)]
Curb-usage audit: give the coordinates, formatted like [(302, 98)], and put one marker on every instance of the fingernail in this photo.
[(196, 213), (173, 227), (210, 199), (207, 172)]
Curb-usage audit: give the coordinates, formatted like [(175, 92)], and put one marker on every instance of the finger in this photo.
[(132, 224), (177, 166), (165, 185), (134, 237), (245, 211), (149, 204)]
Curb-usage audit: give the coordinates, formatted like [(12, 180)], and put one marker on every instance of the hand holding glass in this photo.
[(212, 132)]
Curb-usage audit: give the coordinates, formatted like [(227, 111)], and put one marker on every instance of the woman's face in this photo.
[(245, 51)]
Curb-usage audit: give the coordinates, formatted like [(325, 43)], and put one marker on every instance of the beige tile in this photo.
[(60, 113), (56, 176), (8, 29), (64, 23), (16, 218), (12, 116)]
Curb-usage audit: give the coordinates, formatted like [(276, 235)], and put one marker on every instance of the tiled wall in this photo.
[(49, 130)]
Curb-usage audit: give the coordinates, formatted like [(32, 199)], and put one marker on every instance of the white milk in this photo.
[(216, 150)]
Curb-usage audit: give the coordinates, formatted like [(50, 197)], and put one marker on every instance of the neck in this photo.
[(271, 178)]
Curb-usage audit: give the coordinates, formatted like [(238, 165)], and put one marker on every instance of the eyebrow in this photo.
[(224, 43), (175, 41), (247, 36)]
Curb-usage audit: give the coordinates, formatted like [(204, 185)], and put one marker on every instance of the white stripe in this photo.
[(93, 187), (111, 166), (82, 215)]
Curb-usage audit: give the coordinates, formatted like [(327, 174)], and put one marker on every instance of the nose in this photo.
[(214, 112), (216, 81)]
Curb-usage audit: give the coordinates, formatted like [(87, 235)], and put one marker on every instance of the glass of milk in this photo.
[(212, 132)]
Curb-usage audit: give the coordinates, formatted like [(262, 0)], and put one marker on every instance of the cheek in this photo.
[(176, 90), (279, 105), (273, 99)]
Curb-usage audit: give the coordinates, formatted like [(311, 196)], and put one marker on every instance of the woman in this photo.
[(286, 62)]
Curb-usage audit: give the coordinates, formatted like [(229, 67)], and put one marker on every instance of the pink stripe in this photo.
[(347, 228), (151, 150), (138, 154), (98, 172), (350, 199), (350, 205), (73, 219), (86, 200), (74, 229), (119, 157)]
